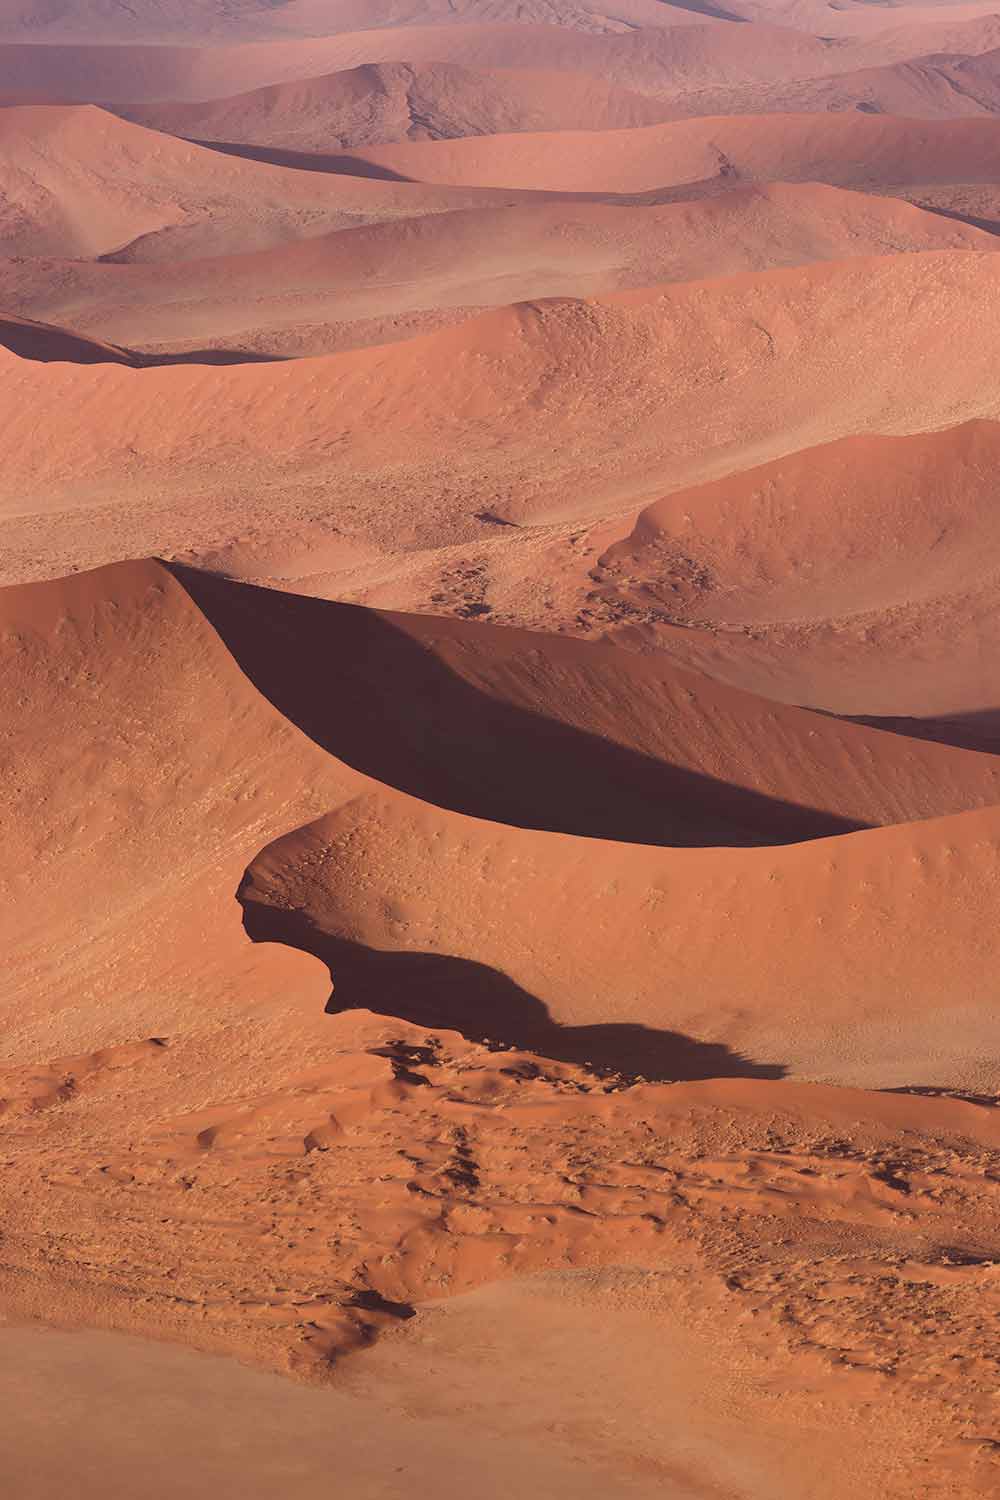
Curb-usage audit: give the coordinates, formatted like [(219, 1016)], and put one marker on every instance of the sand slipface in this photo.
[(498, 758)]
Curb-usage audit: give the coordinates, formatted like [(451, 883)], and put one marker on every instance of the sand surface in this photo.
[(499, 749)]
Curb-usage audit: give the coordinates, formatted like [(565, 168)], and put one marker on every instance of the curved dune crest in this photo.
[(595, 741), (146, 665), (815, 957), (863, 524)]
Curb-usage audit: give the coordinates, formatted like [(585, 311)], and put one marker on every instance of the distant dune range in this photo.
[(371, 284), (168, 19), (936, 87), (647, 390), (392, 101), (847, 150), (666, 63), (80, 183)]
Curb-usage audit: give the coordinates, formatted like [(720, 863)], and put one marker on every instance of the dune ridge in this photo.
[(368, 420), (363, 285)]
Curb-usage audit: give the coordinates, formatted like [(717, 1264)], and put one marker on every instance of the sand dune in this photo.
[(80, 183), (109, 632), (642, 940), (498, 918), (664, 62), (846, 150), (939, 87), (859, 577), (162, 1078), (168, 20), (692, 762), (395, 101), (103, 943), (648, 390), (363, 285)]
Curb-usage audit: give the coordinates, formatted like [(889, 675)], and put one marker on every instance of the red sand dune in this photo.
[(78, 182), (665, 63), (769, 954), (363, 285), (132, 636), (395, 101), (938, 87), (647, 390), (168, 20), (850, 150), (441, 1011), (859, 577), (163, 1078)]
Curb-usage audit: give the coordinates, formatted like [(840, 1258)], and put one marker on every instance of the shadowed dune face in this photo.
[(594, 742), (48, 345), (499, 930)]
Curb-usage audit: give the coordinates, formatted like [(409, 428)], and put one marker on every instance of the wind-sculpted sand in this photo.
[(498, 759), (386, 281), (189, 1076)]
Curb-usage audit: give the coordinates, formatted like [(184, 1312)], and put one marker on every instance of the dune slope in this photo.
[(381, 102), (369, 284), (847, 150), (860, 576), (80, 183), (647, 390)]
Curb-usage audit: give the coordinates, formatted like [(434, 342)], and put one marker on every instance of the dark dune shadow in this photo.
[(340, 164), (703, 8), (442, 993), (207, 357), (927, 1091), (47, 343), (991, 226), (305, 161), (364, 689), (977, 730)]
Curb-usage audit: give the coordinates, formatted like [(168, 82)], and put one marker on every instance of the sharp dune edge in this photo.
[(499, 764)]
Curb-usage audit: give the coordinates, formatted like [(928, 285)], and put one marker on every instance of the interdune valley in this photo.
[(500, 749)]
